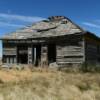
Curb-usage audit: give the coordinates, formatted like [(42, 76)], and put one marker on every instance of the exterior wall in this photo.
[(92, 50), (14, 52), (70, 51), (9, 53)]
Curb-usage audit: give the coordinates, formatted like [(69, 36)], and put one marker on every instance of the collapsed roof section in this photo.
[(53, 26)]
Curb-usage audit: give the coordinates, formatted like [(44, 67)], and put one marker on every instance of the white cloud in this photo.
[(3, 24), (91, 24), (17, 21), (97, 22), (20, 17)]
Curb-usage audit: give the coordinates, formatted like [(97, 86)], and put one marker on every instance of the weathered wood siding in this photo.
[(92, 50), (9, 52), (30, 54), (70, 50), (44, 55)]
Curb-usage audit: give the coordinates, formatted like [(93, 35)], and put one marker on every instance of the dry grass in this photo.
[(48, 85)]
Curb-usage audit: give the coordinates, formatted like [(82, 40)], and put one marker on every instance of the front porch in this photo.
[(36, 54)]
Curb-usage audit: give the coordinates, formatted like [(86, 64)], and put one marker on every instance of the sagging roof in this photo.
[(53, 26)]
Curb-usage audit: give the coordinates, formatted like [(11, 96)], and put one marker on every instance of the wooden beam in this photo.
[(29, 55), (35, 56)]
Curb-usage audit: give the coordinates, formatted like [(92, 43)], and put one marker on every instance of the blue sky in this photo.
[(15, 14)]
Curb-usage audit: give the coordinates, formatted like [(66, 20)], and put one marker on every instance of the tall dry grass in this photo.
[(48, 85)]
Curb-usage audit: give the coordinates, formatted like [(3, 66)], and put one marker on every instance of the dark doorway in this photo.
[(38, 54), (51, 53), (22, 54), (23, 59)]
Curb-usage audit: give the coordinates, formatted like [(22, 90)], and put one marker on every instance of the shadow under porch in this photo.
[(28, 54), (36, 54)]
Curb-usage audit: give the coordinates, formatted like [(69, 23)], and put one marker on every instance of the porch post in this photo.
[(44, 55), (16, 58), (35, 56), (29, 55)]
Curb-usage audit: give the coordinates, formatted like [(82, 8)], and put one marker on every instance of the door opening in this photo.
[(22, 57), (51, 53)]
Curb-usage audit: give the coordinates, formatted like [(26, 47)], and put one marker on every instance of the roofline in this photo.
[(80, 33), (91, 34)]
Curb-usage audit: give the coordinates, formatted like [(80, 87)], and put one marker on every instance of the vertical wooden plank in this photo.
[(29, 55), (35, 56), (16, 57), (7, 59), (44, 55), (15, 60), (84, 50)]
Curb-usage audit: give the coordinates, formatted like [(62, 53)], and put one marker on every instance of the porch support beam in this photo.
[(30, 59), (34, 56), (44, 55)]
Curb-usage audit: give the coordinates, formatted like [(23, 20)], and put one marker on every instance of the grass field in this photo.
[(48, 85)]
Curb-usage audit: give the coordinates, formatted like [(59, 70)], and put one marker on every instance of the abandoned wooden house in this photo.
[(56, 39)]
